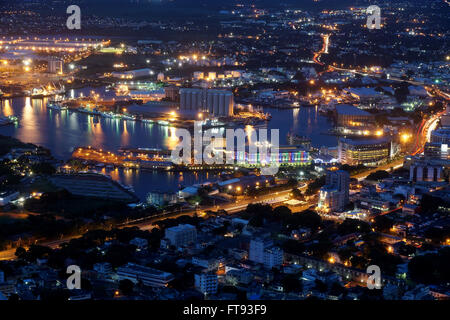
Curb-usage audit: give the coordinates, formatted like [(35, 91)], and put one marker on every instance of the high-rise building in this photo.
[(334, 196), (181, 235), (340, 180)]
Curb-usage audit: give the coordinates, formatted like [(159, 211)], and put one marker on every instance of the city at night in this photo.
[(225, 159)]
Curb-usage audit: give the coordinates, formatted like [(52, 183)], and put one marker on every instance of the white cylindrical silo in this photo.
[(193, 100), (216, 103), (183, 94), (221, 104)]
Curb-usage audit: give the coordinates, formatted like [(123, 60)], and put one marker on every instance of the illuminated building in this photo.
[(350, 116), (54, 45), (55, 66), (367, 97), (132, 74), (436, 150), (441, 135), (334, 196), (367, 152), (287, 155)]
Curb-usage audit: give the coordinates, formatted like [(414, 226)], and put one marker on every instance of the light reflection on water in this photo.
[(63, 131)]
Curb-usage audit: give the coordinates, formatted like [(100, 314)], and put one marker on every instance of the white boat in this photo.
[(57, 106), (8, 120), (128, 117)]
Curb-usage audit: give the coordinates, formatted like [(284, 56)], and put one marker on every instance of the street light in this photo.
[(405, 137)]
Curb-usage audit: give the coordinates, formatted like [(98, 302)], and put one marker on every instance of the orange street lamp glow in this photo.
[(405, 137)]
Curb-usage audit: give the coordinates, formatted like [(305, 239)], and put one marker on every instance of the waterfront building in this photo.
[(55, 66), (161, 198), (181, 235), (218, 103), (93, 185), (133, 74), (350, 116), (148, 276), (172, 93), (367, 97), (367, 152), (287, 155)]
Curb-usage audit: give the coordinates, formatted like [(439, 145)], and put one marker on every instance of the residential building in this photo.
[(206, 283), (181, 235), (148, 276), (263, 251)]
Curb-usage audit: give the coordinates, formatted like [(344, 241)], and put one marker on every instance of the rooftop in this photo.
[(345, 109)]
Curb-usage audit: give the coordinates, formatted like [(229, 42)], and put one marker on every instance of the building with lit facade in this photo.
[(366, 152), (287, 155), (436, 150), (350, 116), (441, 135), (334, 196)]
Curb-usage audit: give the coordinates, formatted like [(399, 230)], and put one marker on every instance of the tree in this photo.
[(352, 226), (292, 283), (297, 194), (378, 175), (401, 92), (126, 286), (43, 168), (20, 253), (383, 223), (281, 213), (431, 268), (314, 186)]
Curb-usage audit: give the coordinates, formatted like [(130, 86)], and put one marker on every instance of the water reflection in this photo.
[(62, 131)]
